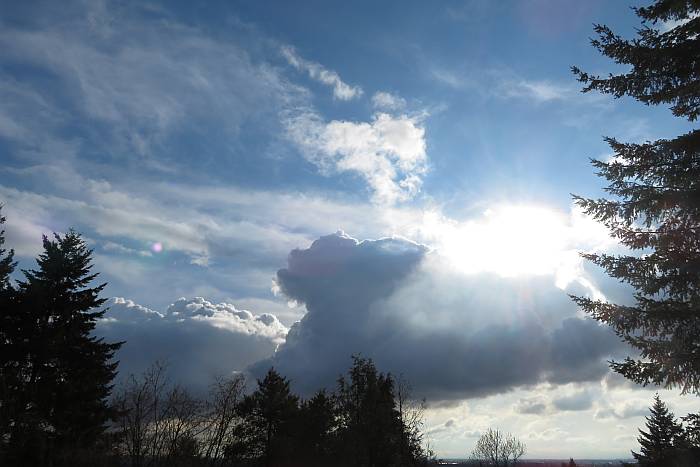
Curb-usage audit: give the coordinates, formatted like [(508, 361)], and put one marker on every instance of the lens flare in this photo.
[(157, 247)]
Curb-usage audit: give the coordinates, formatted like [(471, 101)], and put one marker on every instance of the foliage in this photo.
[(665, 442), (59, 374), (9, 362), (497, 449), (269, 414), (655, 209)]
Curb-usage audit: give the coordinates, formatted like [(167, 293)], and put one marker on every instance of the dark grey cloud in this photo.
[(198, 339), (451, 335)]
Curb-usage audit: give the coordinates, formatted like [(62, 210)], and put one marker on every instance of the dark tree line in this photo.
[(360, 424), (58, 406)]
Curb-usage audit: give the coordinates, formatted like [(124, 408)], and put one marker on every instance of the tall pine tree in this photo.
[(8, 366), (655, 204), (66, 372), (658, 443), (269, 415)]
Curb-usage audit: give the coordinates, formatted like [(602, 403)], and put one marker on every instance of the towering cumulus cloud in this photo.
[(453, 335)]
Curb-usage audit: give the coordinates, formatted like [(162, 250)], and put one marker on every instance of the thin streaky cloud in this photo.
[(317, 72)]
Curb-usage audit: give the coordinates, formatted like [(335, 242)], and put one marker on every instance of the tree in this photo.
[(315, 427), (655, 210), (411, 417), (8, 365), (222, 420), (269, 413), (659, 443), (7, 264), (370, 427), (497, 449), (65, 372)]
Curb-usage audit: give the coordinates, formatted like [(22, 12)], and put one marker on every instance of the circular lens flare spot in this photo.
[(157, 247)]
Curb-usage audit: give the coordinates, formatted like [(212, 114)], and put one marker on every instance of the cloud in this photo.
[(582, 400), (129, 84), (388, 102), (197, 338), (452, 335), (531, 406), (627, 409), (316, 71), (389, 152), (538, 91)]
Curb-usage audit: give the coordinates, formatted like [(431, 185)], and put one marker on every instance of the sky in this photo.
[(289, 183)]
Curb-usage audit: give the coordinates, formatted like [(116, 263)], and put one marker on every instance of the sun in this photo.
[(509, 240)]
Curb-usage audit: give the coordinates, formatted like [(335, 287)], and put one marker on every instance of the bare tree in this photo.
[(497, 449), (139, 402), (156, 422), (221, 416), (411, 413)]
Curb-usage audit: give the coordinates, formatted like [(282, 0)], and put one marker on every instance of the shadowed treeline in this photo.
[(368, 421)]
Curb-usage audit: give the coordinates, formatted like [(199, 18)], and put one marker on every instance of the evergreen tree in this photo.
[(66, 372), (7, 264), (8, 367), (370, 426), (659, 443), (269, 415), (655, 210), (316, 425)]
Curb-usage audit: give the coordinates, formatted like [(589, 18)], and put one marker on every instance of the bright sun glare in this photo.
[(510, 240)]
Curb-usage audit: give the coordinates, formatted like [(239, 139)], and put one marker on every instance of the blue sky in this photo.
[(196, 144)]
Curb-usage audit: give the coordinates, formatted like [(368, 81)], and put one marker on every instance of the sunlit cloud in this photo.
[(388, 152), (316, 71)]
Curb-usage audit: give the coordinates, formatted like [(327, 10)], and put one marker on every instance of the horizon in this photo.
[(289, 185)]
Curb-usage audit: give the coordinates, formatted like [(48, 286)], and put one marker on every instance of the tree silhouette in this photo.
[(65, 372), (370, 426), (659, 442), (316, 426), (655, 209), (269, 414), (9, 374), (498, 449)]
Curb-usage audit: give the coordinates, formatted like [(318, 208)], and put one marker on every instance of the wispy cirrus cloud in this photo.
[(316, 71)]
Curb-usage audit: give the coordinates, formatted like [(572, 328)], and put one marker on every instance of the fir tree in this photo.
[(269, 414), (658, 443), (7, 264), (66, 371), (8, 367), (655, 209), (369, 424)]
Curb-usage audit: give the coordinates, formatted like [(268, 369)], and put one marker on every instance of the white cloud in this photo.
[(137, 81), (316, 71), (388, 102), (538, 91), (389, 152), (198, 338)]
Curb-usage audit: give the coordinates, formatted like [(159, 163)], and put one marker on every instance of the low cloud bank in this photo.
[(197, 338)]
